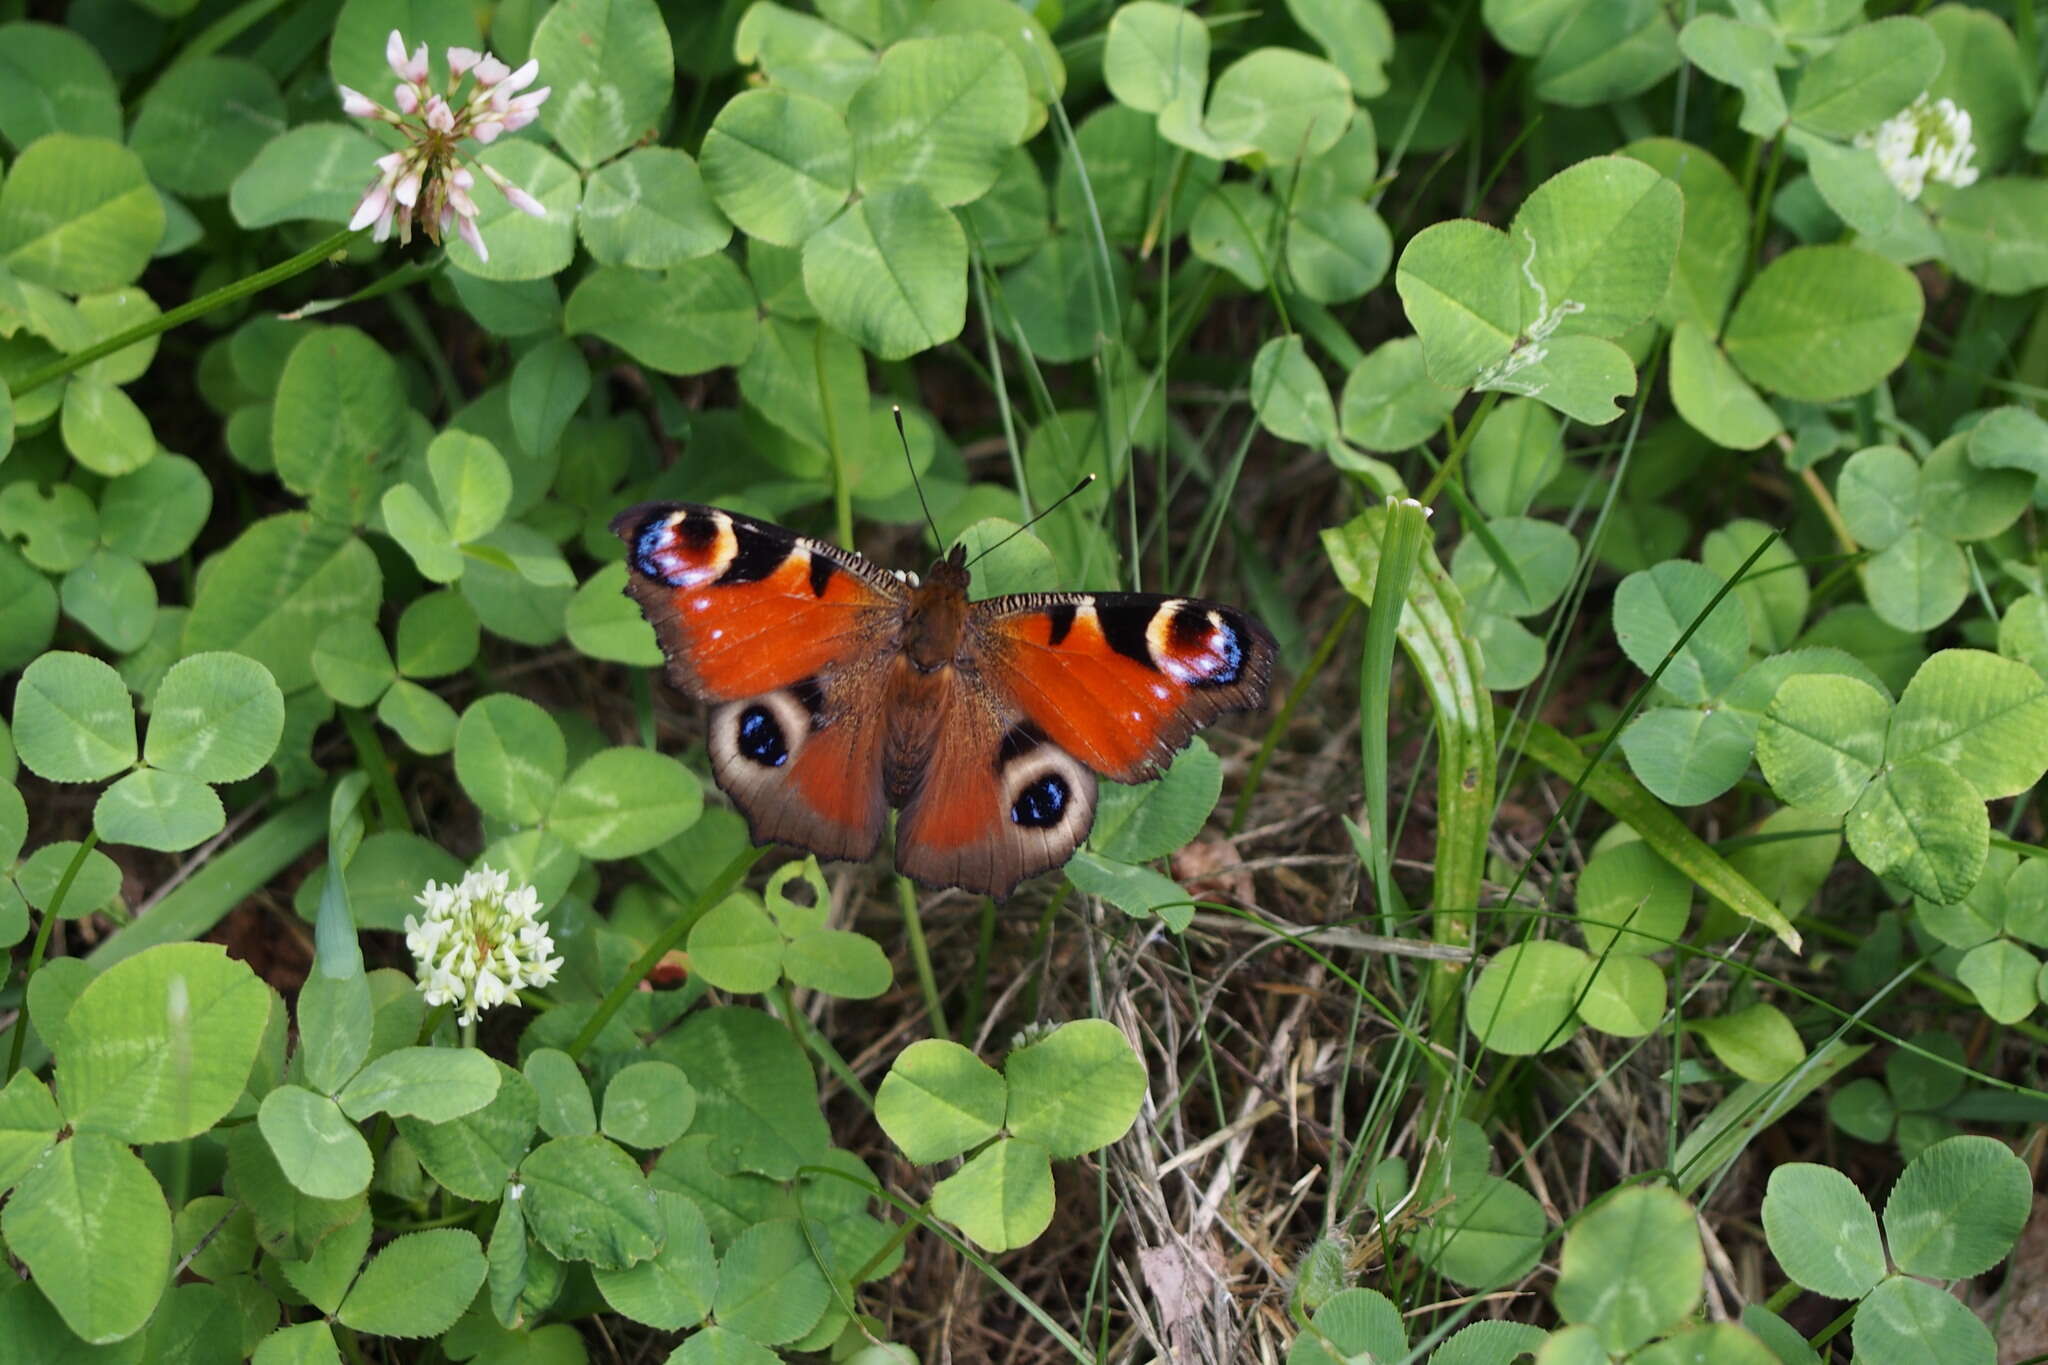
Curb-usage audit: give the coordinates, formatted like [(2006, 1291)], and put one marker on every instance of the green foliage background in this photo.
[(1683, 467)]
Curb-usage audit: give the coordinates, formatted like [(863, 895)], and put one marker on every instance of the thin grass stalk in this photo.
[(629, 981), (1399, 547)]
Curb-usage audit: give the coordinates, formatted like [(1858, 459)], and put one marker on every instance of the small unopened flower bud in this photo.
[(412, 67), (358, 106), (374, 203), (519, 198), (518, 80)]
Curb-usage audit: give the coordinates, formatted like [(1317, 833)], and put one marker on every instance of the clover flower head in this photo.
[(479, 942), (427, 184), (1927, 140)]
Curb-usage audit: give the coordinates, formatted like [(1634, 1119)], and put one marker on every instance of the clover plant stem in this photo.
[(921, 958), (813, 1040), (1317, 662), (715, 890), (1762, 212), (42, 945), (1833, 1329), (370, 754), (1444, 471), (896, 1239), (1826, 503), (185, 312), (1039, 939), (225, 30)]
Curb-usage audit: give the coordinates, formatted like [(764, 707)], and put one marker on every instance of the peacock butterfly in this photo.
[(839, 689)]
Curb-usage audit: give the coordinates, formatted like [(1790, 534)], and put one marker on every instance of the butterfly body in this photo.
[(840, 690)]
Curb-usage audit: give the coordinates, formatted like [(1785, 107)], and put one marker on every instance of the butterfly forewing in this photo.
[(742, 607), (1121, 680)]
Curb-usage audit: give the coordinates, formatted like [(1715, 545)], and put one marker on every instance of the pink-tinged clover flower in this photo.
[(428, 182)]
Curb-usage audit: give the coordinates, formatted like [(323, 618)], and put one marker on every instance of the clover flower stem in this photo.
[(1825, 501), (185, 312), (716, 890), (42, 945)]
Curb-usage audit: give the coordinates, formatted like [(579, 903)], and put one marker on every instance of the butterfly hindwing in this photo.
[(995, 801), (742, 607), (804, 767), (1121, 680)]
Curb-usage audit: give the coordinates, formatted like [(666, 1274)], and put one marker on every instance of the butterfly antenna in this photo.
[(1048, 511), (903, 439)]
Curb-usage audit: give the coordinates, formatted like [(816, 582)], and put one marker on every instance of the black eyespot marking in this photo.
[(1062, 617), (821, 573), (756, 554), (697, 531), (810, 696), (1019, 740), (761, 739), (1042, 804), (1188, 629)]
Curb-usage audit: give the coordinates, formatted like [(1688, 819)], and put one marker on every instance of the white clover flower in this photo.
[(424, 183), (480, 942), (1927, 140)]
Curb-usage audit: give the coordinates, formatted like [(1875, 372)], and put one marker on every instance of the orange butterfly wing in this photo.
[(786, 637), (742, 607), (1122, 680)]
